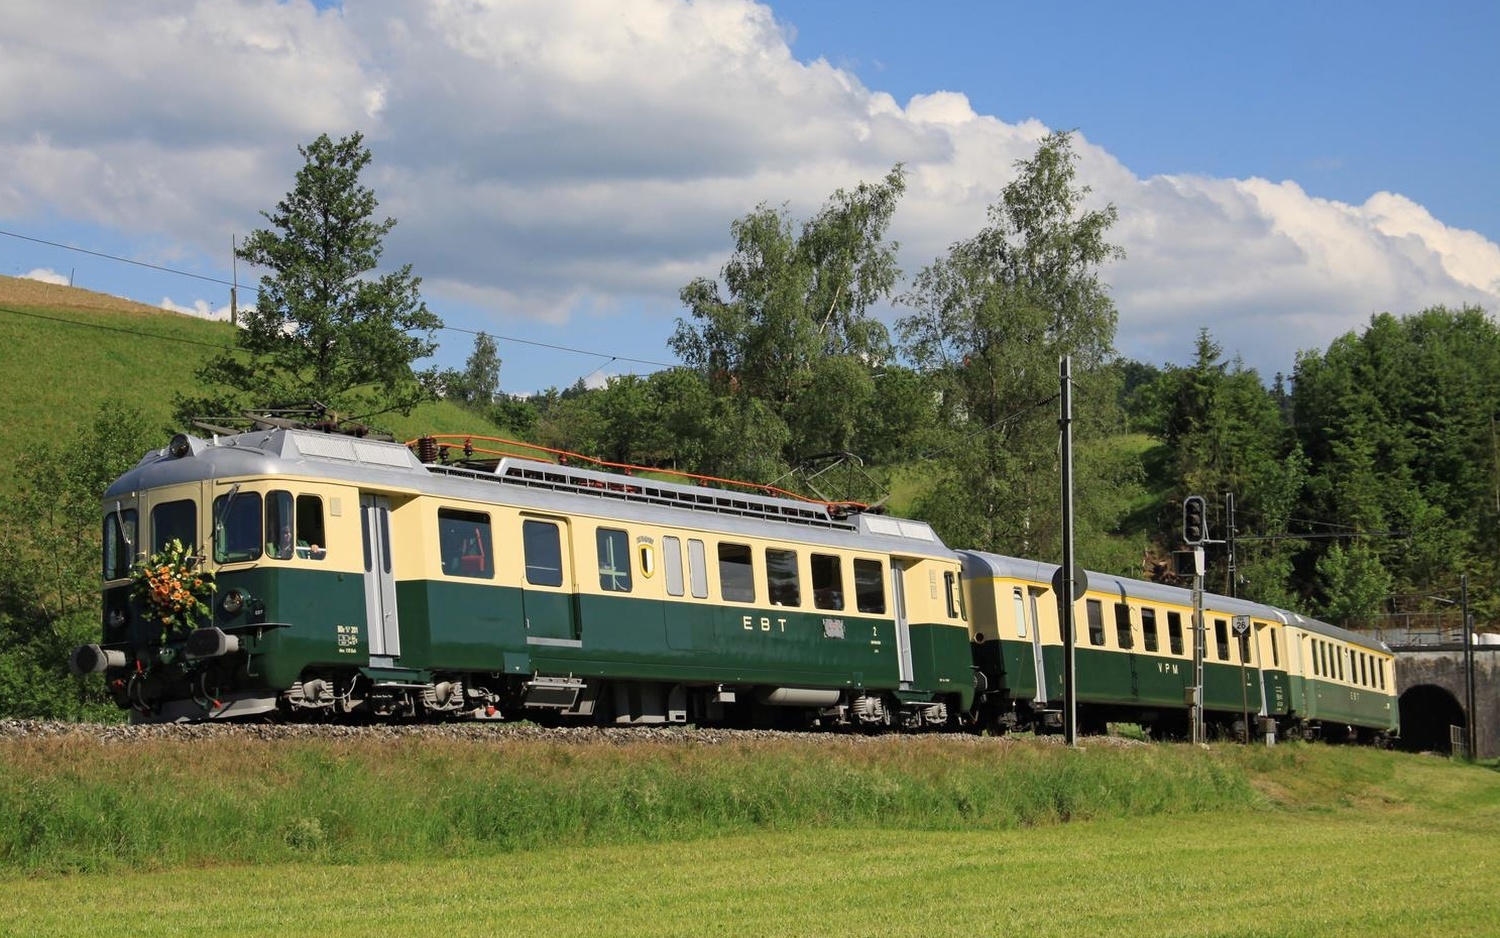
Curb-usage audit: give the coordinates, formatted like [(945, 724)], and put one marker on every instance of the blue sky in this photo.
[(1346, 98), (560, 170)]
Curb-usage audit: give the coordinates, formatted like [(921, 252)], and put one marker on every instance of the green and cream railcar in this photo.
[(352, 578), (1134, 656), (1339, 682)]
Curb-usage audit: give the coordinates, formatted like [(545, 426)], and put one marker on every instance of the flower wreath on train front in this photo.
[(170, 590)]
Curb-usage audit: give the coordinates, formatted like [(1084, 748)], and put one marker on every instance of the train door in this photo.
[(382, 625), (1038, 660), (1273, 680), (1298, 683), (549, 596), (903, 625)]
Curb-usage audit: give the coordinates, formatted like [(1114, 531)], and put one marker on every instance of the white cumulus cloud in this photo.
[(45, 276), (582, 161), (200, 308)]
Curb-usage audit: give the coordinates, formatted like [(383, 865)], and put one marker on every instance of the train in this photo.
[(292, 573)]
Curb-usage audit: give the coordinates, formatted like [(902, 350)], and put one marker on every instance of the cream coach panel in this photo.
[(430, 533)]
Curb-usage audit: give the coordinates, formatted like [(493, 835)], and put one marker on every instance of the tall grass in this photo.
[(78, 804)]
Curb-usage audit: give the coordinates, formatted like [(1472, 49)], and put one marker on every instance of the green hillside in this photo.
[(65, 353)]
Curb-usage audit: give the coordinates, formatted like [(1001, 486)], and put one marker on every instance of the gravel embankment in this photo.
[(472, 732)]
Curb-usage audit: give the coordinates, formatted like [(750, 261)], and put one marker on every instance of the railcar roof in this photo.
[(526, 482), (983, 564)]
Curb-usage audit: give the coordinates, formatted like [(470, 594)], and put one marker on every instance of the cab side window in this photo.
[(281, 543), (119, 543), (294, 527), (312, 541)]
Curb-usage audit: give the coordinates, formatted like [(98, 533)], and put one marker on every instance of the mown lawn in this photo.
[(1325, 843), (1348, 872)]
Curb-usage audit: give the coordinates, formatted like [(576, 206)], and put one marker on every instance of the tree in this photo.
[(1220, 430), (324, 327), (991, 321), (795, 315), (1400, 423), (478, 384), (49, 583), (1355, 584)]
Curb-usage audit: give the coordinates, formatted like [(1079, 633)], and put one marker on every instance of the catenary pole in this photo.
[(1065, 602)]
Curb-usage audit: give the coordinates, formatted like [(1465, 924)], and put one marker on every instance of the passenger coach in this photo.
[(1134, 659)]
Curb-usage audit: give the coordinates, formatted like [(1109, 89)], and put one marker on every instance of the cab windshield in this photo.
[(237, 530)]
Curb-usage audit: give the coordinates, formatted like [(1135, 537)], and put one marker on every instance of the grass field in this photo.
[(892, 837), (1342, 873), (66, 353)]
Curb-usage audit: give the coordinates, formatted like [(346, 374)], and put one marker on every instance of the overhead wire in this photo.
[(445, 328)]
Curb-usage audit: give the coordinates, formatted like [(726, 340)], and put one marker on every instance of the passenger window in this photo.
[(542, 544), (1174, 632), (1018, 604), (736, 573), (174, 521), (1221, 639), (1275, 654), (671, 558), (782, 579), (1244, 642), (698, 568), (614, 560), (1148, 628), (237, 527), (1122, 626), (869, 586), (1096, 622), (119, 543), (827, 582), (465, 543)]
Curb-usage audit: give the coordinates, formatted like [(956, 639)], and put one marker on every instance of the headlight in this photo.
[(233, 602)]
